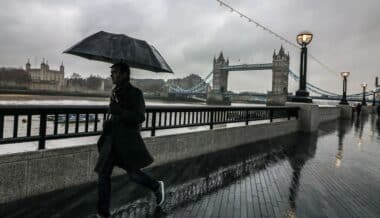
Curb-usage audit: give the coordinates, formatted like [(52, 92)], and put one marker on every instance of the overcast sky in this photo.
[(189, 34)]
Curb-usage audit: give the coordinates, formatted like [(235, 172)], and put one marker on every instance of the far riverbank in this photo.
[(12, 99)]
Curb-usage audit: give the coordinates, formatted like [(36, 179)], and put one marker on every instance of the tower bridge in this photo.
[(280, 71), (244, 67), (218, 77)]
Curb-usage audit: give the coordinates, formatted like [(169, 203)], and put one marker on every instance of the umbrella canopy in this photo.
[(116, 48)]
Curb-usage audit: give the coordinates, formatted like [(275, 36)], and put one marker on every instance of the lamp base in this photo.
[(302, 96), (302, 99), (302, 93), (343, 102)]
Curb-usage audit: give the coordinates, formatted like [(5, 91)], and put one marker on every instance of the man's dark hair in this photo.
[(124, 68)]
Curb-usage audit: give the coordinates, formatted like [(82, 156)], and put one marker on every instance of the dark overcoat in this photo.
[(127, 146)]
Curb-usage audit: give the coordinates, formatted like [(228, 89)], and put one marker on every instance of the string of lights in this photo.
[(276, 35)]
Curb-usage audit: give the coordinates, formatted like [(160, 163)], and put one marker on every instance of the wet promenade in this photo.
[(332, 173)]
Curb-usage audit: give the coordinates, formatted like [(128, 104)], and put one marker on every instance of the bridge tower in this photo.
[(280, 69), (219, 82)]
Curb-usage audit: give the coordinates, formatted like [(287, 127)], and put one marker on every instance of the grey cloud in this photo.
[(190, 33)]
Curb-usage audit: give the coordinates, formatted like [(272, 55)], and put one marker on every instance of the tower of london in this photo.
[(44, 78)]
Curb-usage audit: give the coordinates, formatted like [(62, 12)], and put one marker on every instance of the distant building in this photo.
[(13, 78), (92, 84), (44, 78), (149, 85)]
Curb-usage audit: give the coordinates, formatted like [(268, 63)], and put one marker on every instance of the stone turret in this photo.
[(279, 93), (27, 66), (220, 78), (62, 68), (281, 56), (221, 58), (47, 66), (43, 64)]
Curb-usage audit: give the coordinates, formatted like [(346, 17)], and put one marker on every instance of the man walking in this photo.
[(126, 148)]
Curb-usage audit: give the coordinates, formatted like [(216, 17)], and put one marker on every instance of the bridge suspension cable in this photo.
[(202, 86), (311, 86), (317, 90), (273, 33)]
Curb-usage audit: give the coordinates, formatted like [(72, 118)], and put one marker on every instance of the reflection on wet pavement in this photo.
[(334, 173)]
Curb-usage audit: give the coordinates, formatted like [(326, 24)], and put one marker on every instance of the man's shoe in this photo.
[(160, 193), (103, 215)]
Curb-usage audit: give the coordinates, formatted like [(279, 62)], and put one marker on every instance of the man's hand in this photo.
[(115, 109)]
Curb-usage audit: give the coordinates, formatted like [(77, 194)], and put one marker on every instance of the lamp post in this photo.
[(374, 97), (364, 103), (344, 96), (303, 39)]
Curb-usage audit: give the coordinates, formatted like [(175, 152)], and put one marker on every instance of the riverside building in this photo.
[(44, 78)]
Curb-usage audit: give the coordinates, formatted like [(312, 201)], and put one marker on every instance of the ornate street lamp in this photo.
[(303, 39), (364, 103), (374, 97), (344, 99)]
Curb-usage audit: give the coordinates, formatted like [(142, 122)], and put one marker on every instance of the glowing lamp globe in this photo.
[(304, 38), (345, 74)]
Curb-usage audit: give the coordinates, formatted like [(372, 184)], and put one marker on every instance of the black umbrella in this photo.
[(116, 48)]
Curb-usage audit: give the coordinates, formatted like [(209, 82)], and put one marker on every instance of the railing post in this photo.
[(212, 120), (67, 123), (153, 132), (76, 122), (15, 126), (42, 140), (29, 125), (271, 115), (1, 125), (96, 122), (86, 124), (246, 117)]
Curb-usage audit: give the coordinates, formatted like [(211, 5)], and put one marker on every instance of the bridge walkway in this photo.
[(333, 173)]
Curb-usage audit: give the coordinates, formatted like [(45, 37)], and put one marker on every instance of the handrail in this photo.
[(66, 121)]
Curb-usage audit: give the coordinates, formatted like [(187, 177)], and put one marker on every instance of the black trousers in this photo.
[(104, 184)]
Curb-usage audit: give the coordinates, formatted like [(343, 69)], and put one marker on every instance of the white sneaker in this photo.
[(160, 194)]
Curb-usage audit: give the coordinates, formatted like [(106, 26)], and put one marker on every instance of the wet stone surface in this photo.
[(332, 173)]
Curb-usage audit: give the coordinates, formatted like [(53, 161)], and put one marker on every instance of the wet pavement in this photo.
[(332, 173)]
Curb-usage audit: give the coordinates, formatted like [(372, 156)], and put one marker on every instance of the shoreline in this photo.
[(25, 97), (18, 98), (15, 99)]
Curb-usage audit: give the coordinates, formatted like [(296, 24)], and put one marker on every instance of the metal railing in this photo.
[(41, 123)]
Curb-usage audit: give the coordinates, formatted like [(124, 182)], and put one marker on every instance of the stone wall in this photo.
[(32, 173), (328, 113), (276, 99)]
